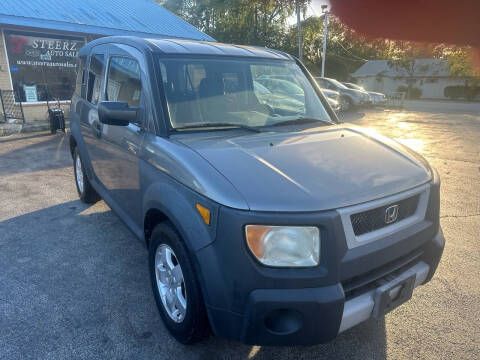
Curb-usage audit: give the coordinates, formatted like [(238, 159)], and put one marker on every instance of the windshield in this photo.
[(337, 83), (245, 92), (354, 86)]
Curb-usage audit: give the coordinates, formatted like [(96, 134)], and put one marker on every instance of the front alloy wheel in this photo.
[(175, 285), (170, 283)]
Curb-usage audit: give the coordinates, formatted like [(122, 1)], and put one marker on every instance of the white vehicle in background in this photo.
[(376, 98), (333, 98), (349, 98)]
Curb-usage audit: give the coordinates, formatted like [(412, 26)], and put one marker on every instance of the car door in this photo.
[(90, 125), (124, 83)]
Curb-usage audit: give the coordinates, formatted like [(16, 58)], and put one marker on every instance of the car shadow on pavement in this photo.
[(34, 153), (351, 115), (24, 137), (366, 341), (74, 280)]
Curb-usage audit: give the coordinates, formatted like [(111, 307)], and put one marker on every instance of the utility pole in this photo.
[(299, 26), (325, 33)]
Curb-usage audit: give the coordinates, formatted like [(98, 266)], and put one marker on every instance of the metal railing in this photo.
[(11, 110), (396, 99)]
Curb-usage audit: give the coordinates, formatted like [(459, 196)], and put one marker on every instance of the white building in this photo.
[(429, 75)]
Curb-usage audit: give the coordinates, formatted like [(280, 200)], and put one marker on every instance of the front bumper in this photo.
[(292, 316), (270, 306)]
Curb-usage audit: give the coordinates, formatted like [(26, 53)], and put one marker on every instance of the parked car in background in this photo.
[(333, 98), (282, 86), (349, 98), (376, 98), (275, 99), (266, 222)]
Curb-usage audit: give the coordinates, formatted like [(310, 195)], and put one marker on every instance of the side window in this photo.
[(95, 72), (163, 70), (80, 76), (124, 81)]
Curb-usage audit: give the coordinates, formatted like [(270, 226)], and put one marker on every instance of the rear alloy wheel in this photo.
[(86, 192), (175, 286)]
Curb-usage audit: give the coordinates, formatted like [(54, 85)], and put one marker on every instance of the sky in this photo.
[(313, 9)]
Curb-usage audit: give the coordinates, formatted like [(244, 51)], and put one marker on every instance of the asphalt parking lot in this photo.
[(74, 282)]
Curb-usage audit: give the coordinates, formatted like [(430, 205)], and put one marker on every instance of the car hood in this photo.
[(316, 169), (329, 92), (353, 92)]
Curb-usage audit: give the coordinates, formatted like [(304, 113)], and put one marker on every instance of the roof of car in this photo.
[(190, 47)]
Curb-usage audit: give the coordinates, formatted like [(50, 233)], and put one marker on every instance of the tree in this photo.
[(264, 23), (460, 61), (252, 22), (346, 50)]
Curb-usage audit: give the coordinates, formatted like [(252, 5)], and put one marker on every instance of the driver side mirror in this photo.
[(116, 113)]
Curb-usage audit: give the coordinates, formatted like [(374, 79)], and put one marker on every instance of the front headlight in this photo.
[(284, 246)]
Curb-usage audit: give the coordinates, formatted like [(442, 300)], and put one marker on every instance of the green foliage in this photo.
[(264, 23), (411, 92), (346, 50), (415, 93), (258, 22), (460, 62), (462, 92)]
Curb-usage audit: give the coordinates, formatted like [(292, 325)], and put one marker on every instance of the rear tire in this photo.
[(187, 322), (86, 192)]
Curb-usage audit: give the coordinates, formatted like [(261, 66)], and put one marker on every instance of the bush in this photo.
[(412, 93), (461, 92), (415, 93)]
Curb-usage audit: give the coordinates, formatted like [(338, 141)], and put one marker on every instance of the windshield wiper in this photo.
[(218, 125), (301, 120)]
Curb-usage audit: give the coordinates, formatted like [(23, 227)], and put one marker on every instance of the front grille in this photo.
[(361, 284), (374, 219)]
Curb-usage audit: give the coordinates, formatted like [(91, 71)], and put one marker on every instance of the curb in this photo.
[(10, 129)]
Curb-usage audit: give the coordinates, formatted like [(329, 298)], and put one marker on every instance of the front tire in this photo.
[(175, 286), (86, 192), (346, 103)]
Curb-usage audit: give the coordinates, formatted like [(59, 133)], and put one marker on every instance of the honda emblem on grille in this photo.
[(391, 214)]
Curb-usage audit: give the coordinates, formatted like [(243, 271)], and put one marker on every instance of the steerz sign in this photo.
[(44, 61), (39, 50), (66, 48)]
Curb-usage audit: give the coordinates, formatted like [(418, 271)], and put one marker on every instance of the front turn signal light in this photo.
[(204, 213)]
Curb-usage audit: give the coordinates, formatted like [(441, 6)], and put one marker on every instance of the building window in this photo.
[(43, 67)]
